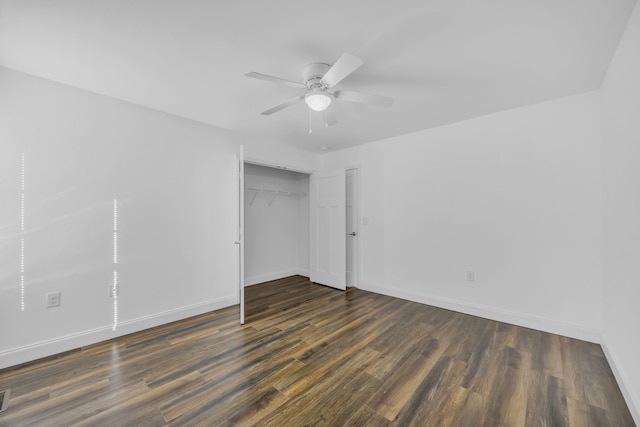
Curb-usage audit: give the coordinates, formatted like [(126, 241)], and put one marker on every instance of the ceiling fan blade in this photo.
[(282, 106), (344, 66), (364, 98), (329, 117), (273, 79)]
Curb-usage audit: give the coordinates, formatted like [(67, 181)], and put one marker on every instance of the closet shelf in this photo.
[(274, 193)]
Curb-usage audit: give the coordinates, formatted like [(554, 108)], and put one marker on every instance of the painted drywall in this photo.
[(621, 212), (277, 155), (513, 197), (276, 224), (175, 185), (303, 224)]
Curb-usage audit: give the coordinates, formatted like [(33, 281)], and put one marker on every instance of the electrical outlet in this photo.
[(114, 290), (53, 299), (471, 276)]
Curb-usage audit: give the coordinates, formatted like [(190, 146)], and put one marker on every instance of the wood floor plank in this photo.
[(435, 402), (548, 357), (463, 408), (63, 407), (581, 371), (482, 364), (220, 396), (144, 404), (583, 414), (313, 355), (546, 401), (366, 416), (258, 403), (327, 406), (506, 403), (399, 389)]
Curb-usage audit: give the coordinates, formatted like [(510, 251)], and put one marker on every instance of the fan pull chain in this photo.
[(310, 130)]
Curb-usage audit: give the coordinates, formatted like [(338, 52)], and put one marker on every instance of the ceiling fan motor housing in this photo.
[(312, 74)]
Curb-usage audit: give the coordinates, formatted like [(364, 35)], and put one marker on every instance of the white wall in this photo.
[(304, 244), (513, 196), (276, 228), (621, 212), (175, 183), (275, 154)]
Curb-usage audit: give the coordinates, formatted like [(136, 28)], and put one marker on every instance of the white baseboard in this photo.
[(267, 277), (28, 353), (527, 321), (633, 402)]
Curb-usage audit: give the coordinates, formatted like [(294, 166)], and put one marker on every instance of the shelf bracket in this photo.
[(253, 198)]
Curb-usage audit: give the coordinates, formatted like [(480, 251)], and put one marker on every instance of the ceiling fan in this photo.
[(319, 80)]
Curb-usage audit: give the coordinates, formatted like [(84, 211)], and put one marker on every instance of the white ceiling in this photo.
[(442, 60)]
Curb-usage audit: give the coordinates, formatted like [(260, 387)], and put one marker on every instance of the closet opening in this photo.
[(278, 243), (276, 223)]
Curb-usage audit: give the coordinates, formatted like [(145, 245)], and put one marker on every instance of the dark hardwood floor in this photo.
[(311, 355)]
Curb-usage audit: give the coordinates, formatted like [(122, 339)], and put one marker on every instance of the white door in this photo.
[(352, 227), (240, 235), (328, 228)]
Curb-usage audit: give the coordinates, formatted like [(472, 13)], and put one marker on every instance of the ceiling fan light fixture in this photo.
[(317, 100)]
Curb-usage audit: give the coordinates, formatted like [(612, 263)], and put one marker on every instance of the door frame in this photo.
[(240, 232), (356, 201)]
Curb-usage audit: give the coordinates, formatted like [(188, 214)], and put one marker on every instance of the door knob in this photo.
[(352, 234)]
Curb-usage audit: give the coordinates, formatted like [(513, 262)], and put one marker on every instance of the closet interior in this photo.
[(276, 223)]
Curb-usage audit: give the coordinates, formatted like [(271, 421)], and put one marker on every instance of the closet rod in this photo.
[(278, 192)]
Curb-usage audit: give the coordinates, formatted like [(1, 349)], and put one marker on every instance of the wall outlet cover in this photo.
[(53, 299)]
